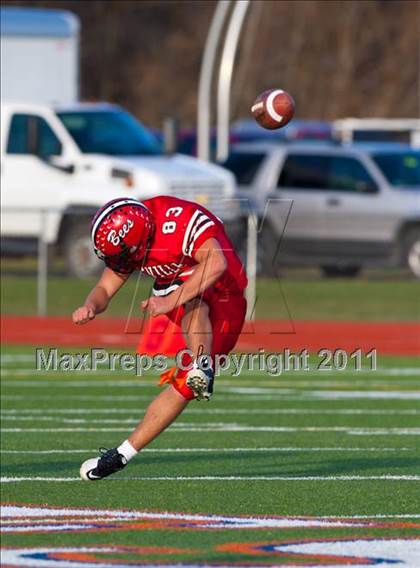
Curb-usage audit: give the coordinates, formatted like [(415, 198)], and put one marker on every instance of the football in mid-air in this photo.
[(273, 109)]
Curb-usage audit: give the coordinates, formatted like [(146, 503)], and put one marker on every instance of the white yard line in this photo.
[(70, 383), (374, 394), (314, 369), (31, 377), (308, 397), (35, 411), (299, 375), (135, 398), (17, 358), (180, 427), (341, 378), (218, 450), (239, 390), (6, 479), (106, 421), (69, 396), (243, 522), (31, 413), (382, 516)]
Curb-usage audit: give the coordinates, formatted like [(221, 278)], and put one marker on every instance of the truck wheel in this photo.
[(80, 258), (332, 271), (412, 251)]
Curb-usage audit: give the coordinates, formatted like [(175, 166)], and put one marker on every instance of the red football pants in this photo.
[(227, 314)]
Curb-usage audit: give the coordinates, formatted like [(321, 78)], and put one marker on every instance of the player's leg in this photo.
[(164, 409), (226, 314), (226, 321), (161, 412), (159, 415), (196, 326), (198, 332)]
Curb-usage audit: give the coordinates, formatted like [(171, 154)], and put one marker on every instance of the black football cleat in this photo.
[(109, 462)]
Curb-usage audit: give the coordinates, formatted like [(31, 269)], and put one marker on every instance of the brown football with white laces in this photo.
[(273, 109)]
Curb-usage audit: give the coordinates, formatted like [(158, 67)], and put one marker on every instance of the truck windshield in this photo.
[(244, 165), (401, 169), (113, 132)]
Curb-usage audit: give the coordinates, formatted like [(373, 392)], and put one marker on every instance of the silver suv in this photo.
[(346, 206)]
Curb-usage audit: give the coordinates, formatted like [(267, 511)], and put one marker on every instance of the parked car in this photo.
[(338, 207), (248, 130), (349, 130)]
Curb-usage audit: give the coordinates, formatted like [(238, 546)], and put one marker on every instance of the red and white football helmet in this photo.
[(121, 233)]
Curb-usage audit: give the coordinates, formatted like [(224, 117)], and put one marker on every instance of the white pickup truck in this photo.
[(61, 159), (68, 161)]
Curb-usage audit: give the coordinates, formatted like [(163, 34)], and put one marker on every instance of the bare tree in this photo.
[(336, 57)]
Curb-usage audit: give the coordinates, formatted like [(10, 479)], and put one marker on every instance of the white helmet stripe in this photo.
[(115, 205)]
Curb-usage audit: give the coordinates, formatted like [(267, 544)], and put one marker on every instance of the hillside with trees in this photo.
[(337, 58)]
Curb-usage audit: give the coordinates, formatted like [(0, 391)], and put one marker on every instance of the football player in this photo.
[(198, 283)]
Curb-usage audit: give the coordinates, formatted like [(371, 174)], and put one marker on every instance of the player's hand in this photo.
[(157, 306), (83, 314)]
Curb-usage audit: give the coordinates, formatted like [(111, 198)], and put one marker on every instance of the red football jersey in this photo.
[(181, 227)]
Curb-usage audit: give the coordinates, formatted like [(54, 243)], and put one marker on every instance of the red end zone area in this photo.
[(391, 338)]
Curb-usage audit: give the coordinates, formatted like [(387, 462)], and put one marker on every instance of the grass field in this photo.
[(340, 449), (300, 293)]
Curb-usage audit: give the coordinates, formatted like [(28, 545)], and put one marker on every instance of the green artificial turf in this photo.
[(302, 444)]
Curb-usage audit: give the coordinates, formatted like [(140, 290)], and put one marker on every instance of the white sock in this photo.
[(127, 450)]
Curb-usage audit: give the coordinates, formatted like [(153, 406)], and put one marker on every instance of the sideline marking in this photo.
[(5, 479)]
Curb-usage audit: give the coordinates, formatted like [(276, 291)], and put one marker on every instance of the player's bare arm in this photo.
[(211, 264), (99, 297)]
